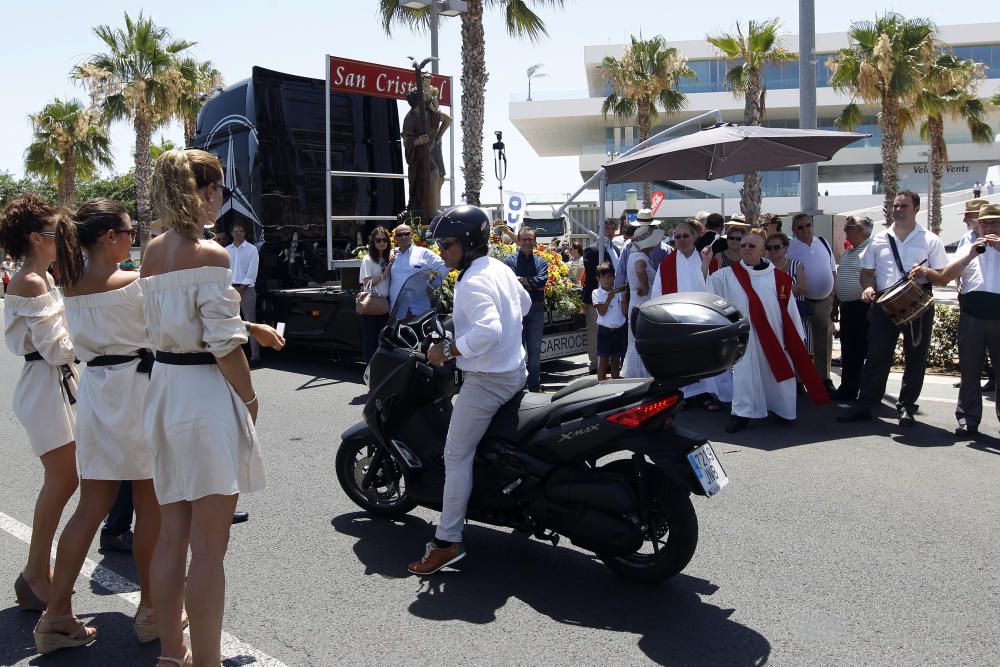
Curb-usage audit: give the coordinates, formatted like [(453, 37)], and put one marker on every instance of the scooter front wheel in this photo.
[(386, 496), (671, 536)]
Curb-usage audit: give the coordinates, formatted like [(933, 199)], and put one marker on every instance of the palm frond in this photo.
[(849, 118), (522, 22)]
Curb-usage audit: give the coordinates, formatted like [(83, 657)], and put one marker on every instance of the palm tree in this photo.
[(68, 143), (156, 150), (137, 79), (948, 90), (883, 66), (534, 73), (200, 80), (645, 77), (760, 46), (520, 22)]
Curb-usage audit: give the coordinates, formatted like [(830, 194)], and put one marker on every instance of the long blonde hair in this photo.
[(177, 177)]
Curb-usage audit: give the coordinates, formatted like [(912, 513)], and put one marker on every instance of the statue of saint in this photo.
[(422, 148)]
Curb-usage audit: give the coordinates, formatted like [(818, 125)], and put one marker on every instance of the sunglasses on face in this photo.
[(444, 244), (132, 233), (226, 192), (734, 239), (400, 234), (748, 246), (382, 240), (774, 247)]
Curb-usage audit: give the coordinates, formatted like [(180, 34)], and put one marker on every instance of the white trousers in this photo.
[(482, 394)]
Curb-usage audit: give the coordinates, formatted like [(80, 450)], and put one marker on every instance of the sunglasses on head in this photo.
[(775, 247)]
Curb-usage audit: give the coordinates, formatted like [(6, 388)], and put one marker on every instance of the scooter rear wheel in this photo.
[(387, 496), (672, 536)]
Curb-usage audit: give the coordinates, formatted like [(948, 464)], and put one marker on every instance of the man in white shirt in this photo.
[(904, 250), (489, 306), (816, 256), (979, 322), (407, 259), (244, 260)]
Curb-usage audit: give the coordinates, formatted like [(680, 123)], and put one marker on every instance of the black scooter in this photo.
[(602, 464)]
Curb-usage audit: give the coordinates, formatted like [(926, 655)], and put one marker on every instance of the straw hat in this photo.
[(990, 212), (738, 220), (647, 236), (973, 205), (645, 217)]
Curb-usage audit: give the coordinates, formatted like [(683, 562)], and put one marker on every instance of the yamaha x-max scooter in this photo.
[(602, 464)]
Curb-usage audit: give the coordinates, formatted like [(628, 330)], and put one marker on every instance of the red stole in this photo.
[(776, 358), (668, 273)]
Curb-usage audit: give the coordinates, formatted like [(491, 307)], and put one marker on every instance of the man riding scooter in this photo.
[(488, 308)]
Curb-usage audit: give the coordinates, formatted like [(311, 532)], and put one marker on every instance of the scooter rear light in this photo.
[(640, 414)]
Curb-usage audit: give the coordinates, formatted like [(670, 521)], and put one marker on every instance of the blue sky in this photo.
[(40, 41)]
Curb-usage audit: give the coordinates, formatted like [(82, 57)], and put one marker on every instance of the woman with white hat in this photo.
[(641, 271)]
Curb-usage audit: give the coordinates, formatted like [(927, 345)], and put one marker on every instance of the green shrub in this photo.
[(943, 352)]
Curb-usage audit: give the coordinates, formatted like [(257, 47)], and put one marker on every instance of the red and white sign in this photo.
[(655, 200), (361, 78)]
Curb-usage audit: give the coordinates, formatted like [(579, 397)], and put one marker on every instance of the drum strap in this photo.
[(895, 253)]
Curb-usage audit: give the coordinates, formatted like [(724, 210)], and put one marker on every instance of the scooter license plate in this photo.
[(708, 468)]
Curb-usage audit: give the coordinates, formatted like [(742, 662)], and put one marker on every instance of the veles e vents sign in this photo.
[(361, 78)]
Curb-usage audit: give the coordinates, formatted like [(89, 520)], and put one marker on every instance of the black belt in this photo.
[(67, 375), (145, 363), (185, 358)]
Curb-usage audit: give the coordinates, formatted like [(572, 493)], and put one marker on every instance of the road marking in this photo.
[(233, 648)]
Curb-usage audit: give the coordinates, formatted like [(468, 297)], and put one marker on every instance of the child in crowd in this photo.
[(612, 335)]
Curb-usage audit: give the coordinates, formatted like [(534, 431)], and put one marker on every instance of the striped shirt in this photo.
[(848, 282)]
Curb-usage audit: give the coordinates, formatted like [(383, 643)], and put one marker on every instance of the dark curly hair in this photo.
[(22, 216)]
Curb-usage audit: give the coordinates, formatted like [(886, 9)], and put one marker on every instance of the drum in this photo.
[(905, 301)]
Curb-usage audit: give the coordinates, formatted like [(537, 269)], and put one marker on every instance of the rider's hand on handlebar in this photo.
[(435, 355)]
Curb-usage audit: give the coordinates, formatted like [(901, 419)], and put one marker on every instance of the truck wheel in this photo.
[(387, 496)]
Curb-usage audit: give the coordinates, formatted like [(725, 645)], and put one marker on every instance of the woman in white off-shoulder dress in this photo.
[(35, 328), (200, 406), (105, 321)]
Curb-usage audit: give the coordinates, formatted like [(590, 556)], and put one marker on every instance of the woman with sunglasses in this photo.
[(106, 325), (731, 255), (375, 280), (200, 407), (43, 400), (777, 247)]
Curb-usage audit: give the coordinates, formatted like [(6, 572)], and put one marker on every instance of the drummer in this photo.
[(903, 244)]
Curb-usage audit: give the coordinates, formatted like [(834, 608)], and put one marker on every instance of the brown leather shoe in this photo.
[(436, 558)]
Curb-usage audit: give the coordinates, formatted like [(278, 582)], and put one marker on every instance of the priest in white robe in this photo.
[(764, 379), (685, 271)]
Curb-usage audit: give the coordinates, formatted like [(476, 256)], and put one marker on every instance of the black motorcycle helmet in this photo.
[(470, 225)]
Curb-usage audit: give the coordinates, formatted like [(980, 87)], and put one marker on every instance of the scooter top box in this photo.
[(689, 335)]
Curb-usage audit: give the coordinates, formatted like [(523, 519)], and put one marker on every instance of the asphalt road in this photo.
[(858, 544)]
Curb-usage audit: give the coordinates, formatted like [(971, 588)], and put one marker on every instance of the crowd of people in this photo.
[(795, 292), (165, 399)]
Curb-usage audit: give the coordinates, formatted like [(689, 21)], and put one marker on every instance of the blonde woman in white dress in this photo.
[(105, 321), (35, 328), (641, 272), (200, 406)]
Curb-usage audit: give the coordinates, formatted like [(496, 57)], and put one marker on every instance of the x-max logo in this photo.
[(578, 432)]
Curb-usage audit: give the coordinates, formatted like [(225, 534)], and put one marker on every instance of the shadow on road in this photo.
[(674, 624), (320, 369)]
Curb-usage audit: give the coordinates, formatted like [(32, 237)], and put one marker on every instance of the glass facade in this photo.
[(712, 73)]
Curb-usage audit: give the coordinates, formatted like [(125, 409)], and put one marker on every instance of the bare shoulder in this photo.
[(213, 254), (120, 279), (28, 284)]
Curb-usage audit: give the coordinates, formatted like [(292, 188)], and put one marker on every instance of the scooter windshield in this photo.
[(418, 296)]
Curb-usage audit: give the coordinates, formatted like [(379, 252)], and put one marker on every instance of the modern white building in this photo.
[(571, 124)]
